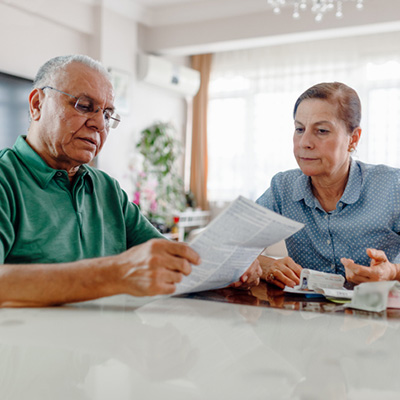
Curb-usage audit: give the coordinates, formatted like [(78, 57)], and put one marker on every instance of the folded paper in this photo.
[(321, 283), (311, 280)]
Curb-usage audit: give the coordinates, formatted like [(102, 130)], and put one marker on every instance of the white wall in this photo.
[(27, 41), (33, 31)]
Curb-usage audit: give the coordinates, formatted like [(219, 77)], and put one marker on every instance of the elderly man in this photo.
[(67, 231)]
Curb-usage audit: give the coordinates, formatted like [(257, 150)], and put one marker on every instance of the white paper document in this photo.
[(344, 294), (323, 283), (232, 241), (311, 280)]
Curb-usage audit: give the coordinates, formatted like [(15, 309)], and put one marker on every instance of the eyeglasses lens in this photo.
[(84, 105)]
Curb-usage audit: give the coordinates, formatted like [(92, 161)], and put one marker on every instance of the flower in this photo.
[(136, 197), (153, 206)]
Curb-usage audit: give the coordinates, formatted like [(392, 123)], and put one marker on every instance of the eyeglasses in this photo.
[(85, 106)]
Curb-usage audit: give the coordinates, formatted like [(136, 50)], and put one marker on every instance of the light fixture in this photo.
[(318, 7)]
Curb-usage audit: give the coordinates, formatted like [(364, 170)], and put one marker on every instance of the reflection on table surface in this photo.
[(265, 295), (187, 348)]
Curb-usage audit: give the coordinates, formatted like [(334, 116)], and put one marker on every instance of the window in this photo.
[(251, 99)]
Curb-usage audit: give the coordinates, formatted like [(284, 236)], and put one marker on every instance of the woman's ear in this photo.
[(35, 104), (355, 137)]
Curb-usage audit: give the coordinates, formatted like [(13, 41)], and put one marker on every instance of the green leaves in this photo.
[(161, 150)]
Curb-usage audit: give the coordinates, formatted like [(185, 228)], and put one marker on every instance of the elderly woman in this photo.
[(346, 206)]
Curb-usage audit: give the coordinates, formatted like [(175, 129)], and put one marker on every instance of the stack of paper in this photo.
[(317, 282)]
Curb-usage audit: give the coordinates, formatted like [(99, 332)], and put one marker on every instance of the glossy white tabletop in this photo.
[(182, 348)]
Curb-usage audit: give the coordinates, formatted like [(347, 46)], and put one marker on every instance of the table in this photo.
[(224, 344)]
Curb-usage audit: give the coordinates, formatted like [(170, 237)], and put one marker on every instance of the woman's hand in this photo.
[(282, 272), (250, 278), (380, 269)]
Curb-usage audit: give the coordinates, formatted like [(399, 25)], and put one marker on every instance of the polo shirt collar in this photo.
[(40, 171), (302, 187)]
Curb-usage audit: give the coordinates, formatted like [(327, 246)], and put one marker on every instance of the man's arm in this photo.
[(148, 269)]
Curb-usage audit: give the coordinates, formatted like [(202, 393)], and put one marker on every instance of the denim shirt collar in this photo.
[(302, 188)]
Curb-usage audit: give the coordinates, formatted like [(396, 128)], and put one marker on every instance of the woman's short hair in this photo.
[(344, 97)]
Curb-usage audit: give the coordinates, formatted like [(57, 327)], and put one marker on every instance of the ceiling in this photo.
[(167, 12), (187, 27), (158, 3), (182, 27)]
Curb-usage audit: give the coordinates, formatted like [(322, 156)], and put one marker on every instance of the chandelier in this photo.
[(318, 7)]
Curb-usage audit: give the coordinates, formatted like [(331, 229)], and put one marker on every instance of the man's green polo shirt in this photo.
[(43, 219)]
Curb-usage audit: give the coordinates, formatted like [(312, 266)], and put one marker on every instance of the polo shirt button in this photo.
[(59, 173), (326, 216), (332, 266), (340, 204), (328, 241)]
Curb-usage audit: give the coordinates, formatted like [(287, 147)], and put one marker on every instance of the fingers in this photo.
[(171, 277), (294, 267), (165, 282), (279, 283), (171, 255), (155, 267), (379, 270), (289, 272), (351, 271), (286, 277), (174, 264), (284, 272), (253, 273), (184, 251), (250, 278), (150, 282), (349, 266), (356, 273), (377, 256)]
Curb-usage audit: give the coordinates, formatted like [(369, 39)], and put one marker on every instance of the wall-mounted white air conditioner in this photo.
[(163, 73)]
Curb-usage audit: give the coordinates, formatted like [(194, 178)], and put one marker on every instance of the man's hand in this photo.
[(250, 278), (155, 267), (380, 269), (282, 272)]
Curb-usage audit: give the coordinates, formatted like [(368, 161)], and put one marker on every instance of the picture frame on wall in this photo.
[(122, 82)]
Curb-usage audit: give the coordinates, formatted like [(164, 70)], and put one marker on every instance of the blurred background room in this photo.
[(210, 84)]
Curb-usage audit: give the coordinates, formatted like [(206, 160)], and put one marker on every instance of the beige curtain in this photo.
[(199, 157)]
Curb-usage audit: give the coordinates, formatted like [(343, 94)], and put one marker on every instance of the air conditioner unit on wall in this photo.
[(163, 73)]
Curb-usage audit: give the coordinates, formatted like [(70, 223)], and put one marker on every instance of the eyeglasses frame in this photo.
[(116, 119)]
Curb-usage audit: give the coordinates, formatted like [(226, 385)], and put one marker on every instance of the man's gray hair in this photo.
[(55, 66)]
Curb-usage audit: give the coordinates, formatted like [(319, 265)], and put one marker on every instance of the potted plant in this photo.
[(159, 188)]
